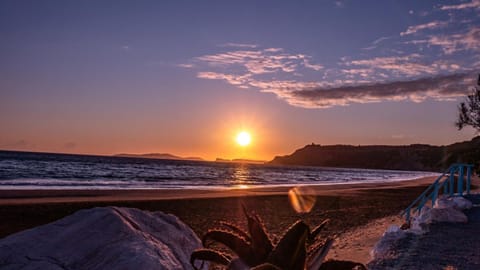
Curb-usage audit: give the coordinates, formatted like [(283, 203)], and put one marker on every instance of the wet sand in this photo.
[(359, 213)]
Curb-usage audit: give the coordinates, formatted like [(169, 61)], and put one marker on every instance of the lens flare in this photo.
[(302, 199)]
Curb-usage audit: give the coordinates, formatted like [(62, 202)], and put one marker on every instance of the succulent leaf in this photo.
[(266, 266), (318, 229), (234, 242), (208, 255), (236, 229), (261, 243), (290, 252), (318, 253)]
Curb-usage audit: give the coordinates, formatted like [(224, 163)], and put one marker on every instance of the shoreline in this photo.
[(28, 196)]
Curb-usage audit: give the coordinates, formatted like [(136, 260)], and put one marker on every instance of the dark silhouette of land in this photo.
[(415, 157), (241, 160), (158, 156)]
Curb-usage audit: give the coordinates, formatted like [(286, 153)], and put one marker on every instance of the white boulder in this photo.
[(445, 210), (384, 248), (103, 238), (458, 203), (451, 215)]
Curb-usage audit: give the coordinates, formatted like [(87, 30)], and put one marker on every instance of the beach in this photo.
[(358, 213)]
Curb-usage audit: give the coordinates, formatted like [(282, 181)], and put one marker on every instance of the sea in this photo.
[(27, 170)]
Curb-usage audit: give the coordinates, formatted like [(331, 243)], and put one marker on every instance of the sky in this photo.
[(184, 77)]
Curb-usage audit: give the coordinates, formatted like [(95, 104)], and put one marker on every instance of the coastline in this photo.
[(31, 196)]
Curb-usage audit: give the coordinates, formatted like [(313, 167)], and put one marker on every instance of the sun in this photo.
[(243, 138)]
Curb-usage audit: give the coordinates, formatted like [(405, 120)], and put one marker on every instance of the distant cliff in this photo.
[(408, 157), (158, 156), (241, 160)]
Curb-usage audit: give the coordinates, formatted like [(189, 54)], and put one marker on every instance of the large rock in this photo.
[(383, 249), (458, 203), (445, 210), (103, 238)]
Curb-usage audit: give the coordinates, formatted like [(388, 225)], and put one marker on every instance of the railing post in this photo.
[(445, 187), (469, 178), (451, 179), (435, 193), (460, 180)]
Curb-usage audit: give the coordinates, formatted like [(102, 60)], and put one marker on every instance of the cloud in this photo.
[(453, 43), (186, 65), (339, 4), (437, 88), (431, 25), (409, 65), (375, 43), (258, 61), (472, 4), (238, 45), (316, 67), (241, 81)]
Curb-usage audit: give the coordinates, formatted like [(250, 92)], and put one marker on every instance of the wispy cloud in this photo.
[(238, 45), (375, 43), (471, 4), (431, 25), (241, 81), (186, 65), (410, 65), (450, 44), (256, 61), (340, 4)]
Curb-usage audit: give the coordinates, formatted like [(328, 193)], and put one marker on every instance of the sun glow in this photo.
[(243, 138)]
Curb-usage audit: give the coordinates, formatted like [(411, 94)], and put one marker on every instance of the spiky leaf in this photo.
[(318, 253), (318, 229), (208, 255), (261, 243), (234, 242), (236, 230), (290, 252), (265, 266)]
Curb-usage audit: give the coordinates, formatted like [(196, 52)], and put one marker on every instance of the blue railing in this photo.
[(445, 183)]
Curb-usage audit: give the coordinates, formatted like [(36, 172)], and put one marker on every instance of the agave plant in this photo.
[(297, 249)]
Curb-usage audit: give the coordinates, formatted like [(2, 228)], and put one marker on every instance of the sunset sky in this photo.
[(184, 77)]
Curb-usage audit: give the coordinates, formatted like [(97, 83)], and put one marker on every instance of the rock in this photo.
[(103, 238), (461, 203), (383, 249), (458, 203), (419, 224), (447, 215), (447, 211), (392, 229)]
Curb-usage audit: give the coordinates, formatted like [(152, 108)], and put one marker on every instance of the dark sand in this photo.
[(355, 211)]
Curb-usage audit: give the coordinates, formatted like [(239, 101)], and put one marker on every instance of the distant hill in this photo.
[(159, 156), (407, 157), (240, 160)]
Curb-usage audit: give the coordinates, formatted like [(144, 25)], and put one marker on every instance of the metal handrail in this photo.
[(445, 181)]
